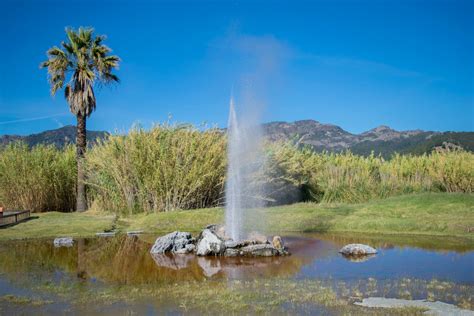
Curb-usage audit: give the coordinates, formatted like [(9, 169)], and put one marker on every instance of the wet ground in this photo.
[(117, 275)]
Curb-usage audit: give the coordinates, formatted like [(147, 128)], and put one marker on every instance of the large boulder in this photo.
[(357, 250), (209, 243), (175, 242)]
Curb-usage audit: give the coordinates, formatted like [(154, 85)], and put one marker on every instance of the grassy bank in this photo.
[(437, 214), (56, 224), (430, 214)]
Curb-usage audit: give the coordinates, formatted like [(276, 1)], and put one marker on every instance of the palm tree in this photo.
[(79, 65)]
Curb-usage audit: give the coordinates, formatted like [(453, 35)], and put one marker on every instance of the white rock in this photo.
[(209, 244), (357, 250), (63, 242)]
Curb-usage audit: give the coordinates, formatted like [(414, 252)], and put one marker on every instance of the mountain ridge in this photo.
[(319, 136)]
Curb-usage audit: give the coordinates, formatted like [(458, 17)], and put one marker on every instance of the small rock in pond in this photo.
[(63, 242), (209, 244), (357, 250), (259, 250), (173, 242), (277, 242)]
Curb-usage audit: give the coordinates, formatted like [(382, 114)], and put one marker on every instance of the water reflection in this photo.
[(244, 267), (358, 258), (126, 260)]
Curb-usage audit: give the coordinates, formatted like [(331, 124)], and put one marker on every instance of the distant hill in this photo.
[(381, 140), (320, 137), (58, 137)]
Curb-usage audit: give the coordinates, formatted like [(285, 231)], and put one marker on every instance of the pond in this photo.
[(117, 275)]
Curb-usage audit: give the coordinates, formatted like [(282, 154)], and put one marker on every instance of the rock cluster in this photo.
[(212, 241)]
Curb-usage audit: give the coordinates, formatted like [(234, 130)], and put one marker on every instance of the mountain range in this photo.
[(320, 137), (381, 140)]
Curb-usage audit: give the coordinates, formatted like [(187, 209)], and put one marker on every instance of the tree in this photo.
[(81, 63)]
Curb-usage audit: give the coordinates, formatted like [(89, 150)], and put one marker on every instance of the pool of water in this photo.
[(39, 278)]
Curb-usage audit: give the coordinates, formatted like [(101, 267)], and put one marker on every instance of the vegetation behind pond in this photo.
[(182, 167)]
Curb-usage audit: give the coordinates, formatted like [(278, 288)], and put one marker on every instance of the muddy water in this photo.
[(36, 277)]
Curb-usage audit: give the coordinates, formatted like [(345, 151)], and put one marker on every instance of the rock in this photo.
[(187, 249), (232, 252), (433, 308), (106, 234), (175, 262), (134, 232), (357, 250), (277, 242), (258, 238), (237, 244), (260, 250), (63, 242), (173, 242), (231, 244), (219, 230), (209, 244)]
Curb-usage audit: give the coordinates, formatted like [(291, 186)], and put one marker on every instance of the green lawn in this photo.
[(439, 214), (431, 213), (56, 224)]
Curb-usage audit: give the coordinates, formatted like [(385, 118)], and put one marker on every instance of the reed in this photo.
[(167, 168), (345, 177), (41, 178), (179, 167)]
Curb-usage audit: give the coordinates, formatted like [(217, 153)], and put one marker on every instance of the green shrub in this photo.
[(39, 179)]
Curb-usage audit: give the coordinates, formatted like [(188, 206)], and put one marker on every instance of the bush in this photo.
[(39, 179)]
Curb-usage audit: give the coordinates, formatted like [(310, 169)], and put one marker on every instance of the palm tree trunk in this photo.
[(81, 199)]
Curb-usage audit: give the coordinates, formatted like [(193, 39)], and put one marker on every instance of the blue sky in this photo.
[(357, 64)]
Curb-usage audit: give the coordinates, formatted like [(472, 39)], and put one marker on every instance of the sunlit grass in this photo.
[(56, 224), (431, 214)]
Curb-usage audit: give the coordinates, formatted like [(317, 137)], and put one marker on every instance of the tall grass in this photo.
[(346, 177), (166, 168), (39, 179), (182, 167)]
